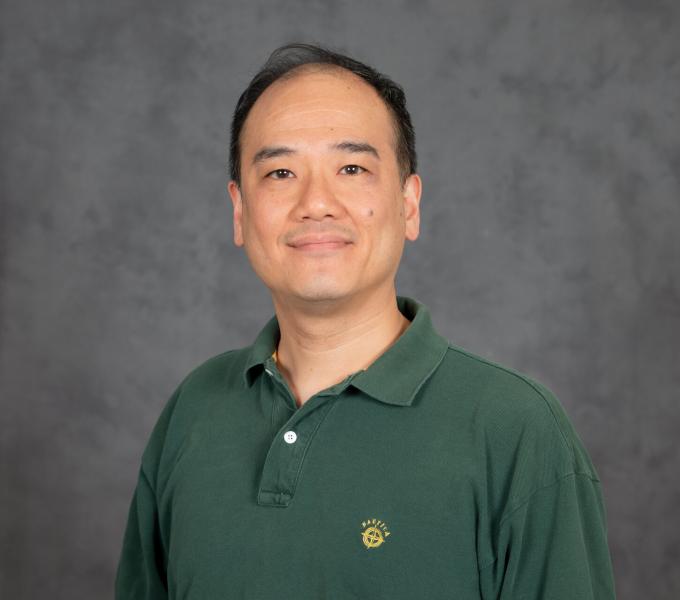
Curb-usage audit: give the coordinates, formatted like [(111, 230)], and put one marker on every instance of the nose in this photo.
[(317, 199)]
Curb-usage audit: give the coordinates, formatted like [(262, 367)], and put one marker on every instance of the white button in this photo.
[(269, 372), (290, 437)]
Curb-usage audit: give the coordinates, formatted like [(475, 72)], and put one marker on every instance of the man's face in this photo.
[(321, 211)]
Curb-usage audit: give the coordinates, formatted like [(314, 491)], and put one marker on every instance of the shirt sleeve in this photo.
[(142, 568), (554, 545), (141, 571)]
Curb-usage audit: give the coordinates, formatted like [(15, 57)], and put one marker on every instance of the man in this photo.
[(351, 451)]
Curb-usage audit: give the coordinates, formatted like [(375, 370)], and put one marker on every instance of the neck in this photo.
[(319, 347)]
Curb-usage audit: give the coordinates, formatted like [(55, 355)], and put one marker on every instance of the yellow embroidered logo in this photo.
[(374, 533)]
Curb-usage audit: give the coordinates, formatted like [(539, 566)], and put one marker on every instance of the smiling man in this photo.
[(351, 451)]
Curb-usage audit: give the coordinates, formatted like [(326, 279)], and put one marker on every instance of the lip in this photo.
[(320, 242)]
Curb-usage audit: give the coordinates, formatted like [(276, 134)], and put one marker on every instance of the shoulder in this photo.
[(203, 386), (513, 413), (220, 370), (213, 377)]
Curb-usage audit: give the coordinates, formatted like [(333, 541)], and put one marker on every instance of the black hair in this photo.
[(285, 59)]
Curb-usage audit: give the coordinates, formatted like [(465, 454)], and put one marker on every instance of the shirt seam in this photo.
[(152, 487), (524, 502), (205, 363), (195, 371), (527, 381)]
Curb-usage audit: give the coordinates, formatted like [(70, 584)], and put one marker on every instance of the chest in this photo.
[(365, 502)]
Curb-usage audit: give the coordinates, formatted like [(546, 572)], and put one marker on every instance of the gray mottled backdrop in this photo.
[(549, 142)]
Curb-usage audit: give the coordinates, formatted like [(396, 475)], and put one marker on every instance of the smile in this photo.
[(321, 246), (326, 241)]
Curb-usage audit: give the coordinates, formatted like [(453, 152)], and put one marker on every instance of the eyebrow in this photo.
[(355, 147), (271, 152), (346, 146)]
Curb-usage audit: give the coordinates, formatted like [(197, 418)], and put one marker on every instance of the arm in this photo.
[(553, 546), (141, 571), (142, 568), (547, 532)]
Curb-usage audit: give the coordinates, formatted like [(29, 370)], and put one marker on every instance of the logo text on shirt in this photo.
[(374, 533)]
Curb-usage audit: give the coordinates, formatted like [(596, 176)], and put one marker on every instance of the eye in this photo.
[(280, 174), (353, 169)]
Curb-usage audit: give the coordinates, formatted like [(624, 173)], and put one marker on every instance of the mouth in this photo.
[(315, 243), (321, 246)]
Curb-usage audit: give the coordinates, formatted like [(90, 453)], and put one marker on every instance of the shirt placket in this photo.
[(288, 448)]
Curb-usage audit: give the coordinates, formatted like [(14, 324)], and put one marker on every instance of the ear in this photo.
[(411, 194), (237, 201)]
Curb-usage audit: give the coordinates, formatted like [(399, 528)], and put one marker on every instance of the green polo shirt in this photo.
[(431, 474)]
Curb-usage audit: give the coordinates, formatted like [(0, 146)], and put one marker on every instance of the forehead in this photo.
[(315, 103)]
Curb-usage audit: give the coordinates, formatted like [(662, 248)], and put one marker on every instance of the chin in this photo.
[(320, 295), (319, 291)]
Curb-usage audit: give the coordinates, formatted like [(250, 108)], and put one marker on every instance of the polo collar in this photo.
[(395, 376)]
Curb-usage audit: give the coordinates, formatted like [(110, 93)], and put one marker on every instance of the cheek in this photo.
[(368, 218), (262, 221)]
